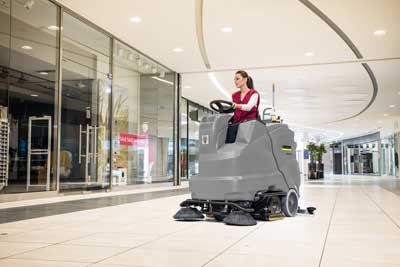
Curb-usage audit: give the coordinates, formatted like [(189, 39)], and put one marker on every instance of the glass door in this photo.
[(85, 110)]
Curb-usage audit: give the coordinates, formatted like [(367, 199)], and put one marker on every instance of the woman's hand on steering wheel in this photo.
[(222, 106)]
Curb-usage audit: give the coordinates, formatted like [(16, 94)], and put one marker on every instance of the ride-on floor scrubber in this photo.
[(247, 171)]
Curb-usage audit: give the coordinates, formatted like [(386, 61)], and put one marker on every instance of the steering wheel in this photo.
[(222, 106)]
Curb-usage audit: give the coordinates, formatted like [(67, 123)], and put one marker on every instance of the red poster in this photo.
[(127, 139)]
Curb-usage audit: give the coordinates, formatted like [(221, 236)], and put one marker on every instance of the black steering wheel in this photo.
[(222, 106)]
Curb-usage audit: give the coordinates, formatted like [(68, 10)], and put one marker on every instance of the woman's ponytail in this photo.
[(250, 83)]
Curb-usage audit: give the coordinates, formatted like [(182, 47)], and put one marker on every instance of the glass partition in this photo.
[(85, 110), (142, 119), (28, 52)]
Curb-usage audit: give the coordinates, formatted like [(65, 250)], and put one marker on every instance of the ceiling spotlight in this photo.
[(379, 32), (138, 61), (22, 79), (178, 50), (34, 95), (28, 4), (154, 70), (81, 84), (43, 73), (120, 52), (309, 54), (27, 47), (4, 74), (53, 28), (226, 29), (136, 19), (392, 106)]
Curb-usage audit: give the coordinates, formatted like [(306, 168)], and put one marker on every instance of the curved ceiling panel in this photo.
[(371, 15), (268, 33), (306, 95)]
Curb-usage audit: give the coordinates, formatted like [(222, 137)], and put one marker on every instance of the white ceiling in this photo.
[(270, 39)]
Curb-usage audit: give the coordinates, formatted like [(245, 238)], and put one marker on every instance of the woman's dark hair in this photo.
[(244, 74)]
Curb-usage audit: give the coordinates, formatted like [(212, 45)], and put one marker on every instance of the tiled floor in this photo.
[(357, 223)]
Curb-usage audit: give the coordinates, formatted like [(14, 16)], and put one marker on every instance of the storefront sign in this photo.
[(126, 139)]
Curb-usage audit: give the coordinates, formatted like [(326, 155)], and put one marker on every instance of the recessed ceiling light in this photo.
[(379, 32), (136, 19), (392, 106), (226, 29), (178, 50), (27, 47), (43, 73), (34, 95), (53, 28), (309, 54)]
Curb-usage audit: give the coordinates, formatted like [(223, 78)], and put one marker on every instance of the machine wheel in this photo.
[(290, 203)]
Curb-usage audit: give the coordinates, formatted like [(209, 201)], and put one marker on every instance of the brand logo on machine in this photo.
[(204, 139)]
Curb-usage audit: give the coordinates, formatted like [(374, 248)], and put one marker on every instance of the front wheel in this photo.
[(290, 203)]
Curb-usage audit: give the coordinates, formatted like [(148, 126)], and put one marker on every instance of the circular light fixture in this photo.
[(43, 73), (27, 47), (379, 32), (53, 28), (178, 50), (136, 19), (309, 54), (392, 106), (226, 29)]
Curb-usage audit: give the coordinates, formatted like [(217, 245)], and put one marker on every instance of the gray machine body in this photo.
[(262, 158)]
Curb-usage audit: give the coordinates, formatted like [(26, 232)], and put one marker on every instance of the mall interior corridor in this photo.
[(199, 133), (357, 223)]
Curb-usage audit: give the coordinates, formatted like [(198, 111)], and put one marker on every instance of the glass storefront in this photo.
[(190, 147), (362, 159), (28, 62), (79, 110), (142, 119), (85, 106)]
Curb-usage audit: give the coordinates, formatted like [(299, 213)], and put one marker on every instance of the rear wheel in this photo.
[(290, 203)]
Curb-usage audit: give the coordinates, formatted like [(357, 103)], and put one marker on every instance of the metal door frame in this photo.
[(38, 151)]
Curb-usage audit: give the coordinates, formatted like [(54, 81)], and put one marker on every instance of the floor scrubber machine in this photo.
[(247, 171)]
